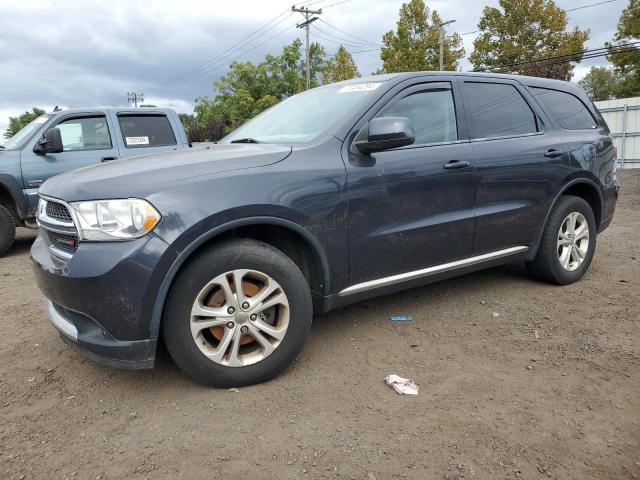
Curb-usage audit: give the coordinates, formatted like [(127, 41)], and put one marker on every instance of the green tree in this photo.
[(601, 83), (340, 67), (627, 64), (524, 30), (414, 46), (248, 89), (18, 123), (202, 129)]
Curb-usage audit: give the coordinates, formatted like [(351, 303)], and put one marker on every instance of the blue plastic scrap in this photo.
[(401, 318)]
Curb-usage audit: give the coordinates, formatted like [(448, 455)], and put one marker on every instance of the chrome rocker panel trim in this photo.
[(425, 272)]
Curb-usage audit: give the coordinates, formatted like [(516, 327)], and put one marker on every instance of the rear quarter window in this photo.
[(497, 110), (565, 108), (139, 131)]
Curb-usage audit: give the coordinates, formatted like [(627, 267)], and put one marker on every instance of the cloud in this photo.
[(91, 53)]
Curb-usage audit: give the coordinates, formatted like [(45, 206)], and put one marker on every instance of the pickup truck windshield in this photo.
[(302, 117), (24, 135)]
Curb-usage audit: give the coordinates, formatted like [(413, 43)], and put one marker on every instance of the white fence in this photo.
[(623, 118)]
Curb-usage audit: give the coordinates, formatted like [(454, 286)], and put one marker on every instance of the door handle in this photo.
[(456, 164), (108, 159), (553, 153)]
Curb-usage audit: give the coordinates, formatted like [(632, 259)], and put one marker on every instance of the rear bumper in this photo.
[(94, 341)]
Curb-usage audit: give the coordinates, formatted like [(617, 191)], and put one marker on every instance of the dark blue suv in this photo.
[(341, 193)]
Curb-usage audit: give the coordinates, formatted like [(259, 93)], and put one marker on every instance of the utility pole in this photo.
[(308, 19), (134, 97), (441, 27)]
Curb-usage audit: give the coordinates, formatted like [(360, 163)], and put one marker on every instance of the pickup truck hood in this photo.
[(146, 174)]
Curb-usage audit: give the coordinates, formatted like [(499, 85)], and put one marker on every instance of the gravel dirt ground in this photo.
[(548, 388)]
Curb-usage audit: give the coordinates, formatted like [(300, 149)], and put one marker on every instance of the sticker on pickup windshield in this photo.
[(359, 87), (137, 140)]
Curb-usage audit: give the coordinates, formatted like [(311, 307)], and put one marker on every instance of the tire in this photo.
[(195, 287), (548, 266), (7, 230)]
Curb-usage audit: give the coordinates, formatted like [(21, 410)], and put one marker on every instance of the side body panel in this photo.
[(515, 182)]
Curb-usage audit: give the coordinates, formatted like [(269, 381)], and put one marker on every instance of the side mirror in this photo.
[(50, 142), (384, 133)]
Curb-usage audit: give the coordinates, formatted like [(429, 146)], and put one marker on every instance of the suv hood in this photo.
[(147, 174)]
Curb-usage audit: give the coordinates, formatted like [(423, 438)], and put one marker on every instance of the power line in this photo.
[(347, 33), (256, 34), (346, 40), (566, 11), (337, 3), (591, 5), (230, 60), (583, 54), (339, 41)]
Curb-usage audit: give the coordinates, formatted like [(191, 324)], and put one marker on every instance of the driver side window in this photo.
[(85, 133), (432, 113)]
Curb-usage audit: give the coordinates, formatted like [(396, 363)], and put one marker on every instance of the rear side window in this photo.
[(497, 110), (84, 133), (146, 131), (566, 109), (432, 114)]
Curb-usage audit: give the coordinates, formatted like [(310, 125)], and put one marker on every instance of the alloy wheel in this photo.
[(573, 241), (239, 318)]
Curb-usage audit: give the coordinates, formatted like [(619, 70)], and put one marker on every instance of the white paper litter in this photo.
[(403, 386)]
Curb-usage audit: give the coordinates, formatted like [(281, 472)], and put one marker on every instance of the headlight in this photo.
[(114, 219)]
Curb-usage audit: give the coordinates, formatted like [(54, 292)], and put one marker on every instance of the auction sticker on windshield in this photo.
[(359, 87), (137, 140)]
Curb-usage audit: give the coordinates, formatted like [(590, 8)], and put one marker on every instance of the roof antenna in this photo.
[(56, 109)]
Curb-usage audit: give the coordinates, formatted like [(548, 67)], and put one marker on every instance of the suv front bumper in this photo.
[(101, 299)]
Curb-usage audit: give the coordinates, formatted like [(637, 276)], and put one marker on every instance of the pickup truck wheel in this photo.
[(568, 243), (237, 314), (7, 230)]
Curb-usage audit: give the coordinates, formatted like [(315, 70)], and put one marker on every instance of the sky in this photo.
[(87, 53)]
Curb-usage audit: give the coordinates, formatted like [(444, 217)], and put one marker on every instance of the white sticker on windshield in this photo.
[(359, 87), (137, 140)]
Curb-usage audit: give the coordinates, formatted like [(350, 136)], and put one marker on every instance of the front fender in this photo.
[(189, 244)]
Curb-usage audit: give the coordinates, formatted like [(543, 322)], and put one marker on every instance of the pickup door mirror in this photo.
[(384, 133), (50, 142)]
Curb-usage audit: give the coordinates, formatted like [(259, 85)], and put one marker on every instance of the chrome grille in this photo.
[(58, 211), (58, 229), (64, 242)]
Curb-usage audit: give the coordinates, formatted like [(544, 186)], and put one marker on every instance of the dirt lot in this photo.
[(549, 388)]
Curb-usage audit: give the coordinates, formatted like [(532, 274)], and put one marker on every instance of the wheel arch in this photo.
[(288, 236), (584, 188), (11, 197)]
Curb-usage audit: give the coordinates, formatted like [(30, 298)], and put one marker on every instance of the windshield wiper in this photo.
[(245, 140)]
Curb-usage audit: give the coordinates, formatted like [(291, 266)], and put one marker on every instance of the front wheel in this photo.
[(237, 314), (568, 242)]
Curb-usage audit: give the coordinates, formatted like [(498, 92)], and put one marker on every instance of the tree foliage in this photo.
[(524, 30), (414, 46), (248, 89), (340, 67), (627, 64), (601, 83), (18, 123), (202, 128)]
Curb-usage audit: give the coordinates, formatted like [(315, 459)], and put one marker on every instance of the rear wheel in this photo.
[(237, 314), (7, 230), (568, 242)]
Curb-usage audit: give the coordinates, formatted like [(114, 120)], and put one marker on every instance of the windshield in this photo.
[(302, 117), (24, 135)]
